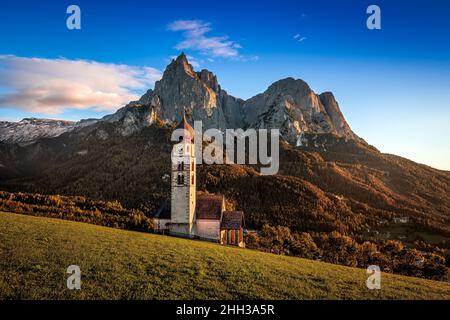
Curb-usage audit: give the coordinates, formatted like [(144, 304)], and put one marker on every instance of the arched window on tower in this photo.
[(193, 166), (180, 166), (193, 177), (180, 179)]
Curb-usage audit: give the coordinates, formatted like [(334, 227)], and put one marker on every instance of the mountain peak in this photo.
[(209, 79), (180, 64), (182, 58), (334, 112), (181, 88), (290, 85)]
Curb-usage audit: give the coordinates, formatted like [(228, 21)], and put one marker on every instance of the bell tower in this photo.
[(183, 181)]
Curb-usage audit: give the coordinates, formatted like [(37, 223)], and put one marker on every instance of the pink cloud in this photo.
[(52, 85)]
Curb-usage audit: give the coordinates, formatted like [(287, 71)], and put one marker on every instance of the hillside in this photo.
[(347, 188), (117, 264)]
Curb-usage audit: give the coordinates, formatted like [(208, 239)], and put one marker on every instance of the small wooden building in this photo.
[(232, 228)]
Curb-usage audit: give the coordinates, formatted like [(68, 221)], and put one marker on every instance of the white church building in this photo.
[(192, 214)]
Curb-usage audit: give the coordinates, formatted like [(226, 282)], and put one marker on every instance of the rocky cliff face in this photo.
[(288, 104), (291, 106), (337, 118), (197, 93)]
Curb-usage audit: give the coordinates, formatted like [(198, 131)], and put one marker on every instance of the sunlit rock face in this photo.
[(181, 89), (337, 118), (291, 106), (288, 104)]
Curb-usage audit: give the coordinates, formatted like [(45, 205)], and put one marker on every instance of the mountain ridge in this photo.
[(288, 104), (28, 130)]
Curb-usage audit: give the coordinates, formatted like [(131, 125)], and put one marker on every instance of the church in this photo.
[(192, 214)]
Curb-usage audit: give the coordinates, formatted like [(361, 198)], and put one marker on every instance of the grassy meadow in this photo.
[(117, 264)]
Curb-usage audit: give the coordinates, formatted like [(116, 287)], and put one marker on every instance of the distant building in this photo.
[(401, 219), (192, 214)]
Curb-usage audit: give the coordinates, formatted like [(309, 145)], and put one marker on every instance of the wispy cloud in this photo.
[(195, 38), (299, 38), (51, 86)]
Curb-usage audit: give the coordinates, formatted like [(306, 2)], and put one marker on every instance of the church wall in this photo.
[(180, 204), (208, 229), (181, 229)]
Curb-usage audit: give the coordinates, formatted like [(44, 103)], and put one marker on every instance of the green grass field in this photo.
[(116, 264)]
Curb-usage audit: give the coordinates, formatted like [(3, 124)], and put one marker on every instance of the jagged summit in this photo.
[(288, 104), (180, 65), (181, 88), (293, 107), (210, 79), (334, 112)]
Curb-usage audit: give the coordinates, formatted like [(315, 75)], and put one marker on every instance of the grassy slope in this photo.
[(35, 252)]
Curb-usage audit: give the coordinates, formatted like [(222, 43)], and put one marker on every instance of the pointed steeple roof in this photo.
[(184, 124)]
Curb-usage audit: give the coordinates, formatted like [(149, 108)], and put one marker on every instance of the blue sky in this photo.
[(392, 84)]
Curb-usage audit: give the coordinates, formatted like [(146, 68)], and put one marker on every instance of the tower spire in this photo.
[(184, 124)]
